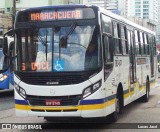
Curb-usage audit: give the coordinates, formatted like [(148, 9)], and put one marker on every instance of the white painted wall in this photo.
[(31, 3), (2, 3)]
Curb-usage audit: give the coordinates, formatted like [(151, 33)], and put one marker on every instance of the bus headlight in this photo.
[(3, 77), (92, 88), (20, 91)]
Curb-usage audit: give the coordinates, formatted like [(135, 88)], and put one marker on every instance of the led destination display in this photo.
[(60, 15)]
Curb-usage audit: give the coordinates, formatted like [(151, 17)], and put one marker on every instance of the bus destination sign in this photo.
[(56, 15)]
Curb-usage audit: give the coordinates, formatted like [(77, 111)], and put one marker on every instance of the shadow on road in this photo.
[(6, 93)]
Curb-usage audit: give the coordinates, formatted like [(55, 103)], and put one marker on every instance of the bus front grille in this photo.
[(49, 78), (64, 100)]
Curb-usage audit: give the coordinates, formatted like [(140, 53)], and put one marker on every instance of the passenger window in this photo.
[(124, 40), (136, 41), (141, 43), (117, 40)]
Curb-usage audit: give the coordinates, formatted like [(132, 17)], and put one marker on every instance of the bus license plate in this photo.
[(52, 102)]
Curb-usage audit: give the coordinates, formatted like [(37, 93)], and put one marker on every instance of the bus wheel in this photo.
[(145, 98), (114, 116)]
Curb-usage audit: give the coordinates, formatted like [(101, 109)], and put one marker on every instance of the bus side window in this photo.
[(154, 45), (145, 44), (148, 45), (117, 40), (107, 38), (137, 42), (141, 43), (106, 24), (124, 40)]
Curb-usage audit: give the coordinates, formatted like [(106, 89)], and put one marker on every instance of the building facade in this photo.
[(120, 7), (158, 25), (145, 9)]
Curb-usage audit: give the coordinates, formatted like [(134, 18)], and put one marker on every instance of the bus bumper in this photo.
[(23, 108)]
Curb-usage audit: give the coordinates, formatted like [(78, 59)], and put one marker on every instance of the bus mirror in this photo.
[(63, 42), (5, 45)]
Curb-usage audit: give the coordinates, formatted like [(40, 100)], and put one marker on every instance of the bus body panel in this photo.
[(86, 106)]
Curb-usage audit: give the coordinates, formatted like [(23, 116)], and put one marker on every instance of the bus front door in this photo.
[(132, 69)]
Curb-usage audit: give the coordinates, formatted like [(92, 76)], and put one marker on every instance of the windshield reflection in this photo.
[(40, 50)]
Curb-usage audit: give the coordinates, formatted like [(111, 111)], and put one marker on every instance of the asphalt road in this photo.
[(136, 112), (6, 100)]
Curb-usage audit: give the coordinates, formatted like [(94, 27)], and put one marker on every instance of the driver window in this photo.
[(108, 52)]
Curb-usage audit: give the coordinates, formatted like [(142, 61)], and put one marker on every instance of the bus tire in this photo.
[(145, 98), (114, 116), (48, 119)]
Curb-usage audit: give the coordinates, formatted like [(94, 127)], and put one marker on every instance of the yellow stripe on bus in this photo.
[(126, 95), (80, 107), (131, 93)]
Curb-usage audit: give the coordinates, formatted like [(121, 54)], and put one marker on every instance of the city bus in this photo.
[(80, 61), (6, 76)]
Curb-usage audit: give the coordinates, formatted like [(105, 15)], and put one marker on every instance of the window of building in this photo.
[(145, 6), (137, 6), (145, 17), (145, 10), (145, 2), (8, 9), (138, 14), (138, 10), (145, 13)]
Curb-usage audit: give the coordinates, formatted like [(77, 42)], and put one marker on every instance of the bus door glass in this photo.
[(108, 45), (132, 57), (151, 43)]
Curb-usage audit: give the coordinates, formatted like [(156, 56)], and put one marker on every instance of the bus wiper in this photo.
[(63, 39), (44, 42), (71, 29)]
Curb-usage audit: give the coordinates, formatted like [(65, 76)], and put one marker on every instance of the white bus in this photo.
[(80, 61)]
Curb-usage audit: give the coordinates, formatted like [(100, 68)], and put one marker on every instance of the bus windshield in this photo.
[(3, 61), (40, 49)]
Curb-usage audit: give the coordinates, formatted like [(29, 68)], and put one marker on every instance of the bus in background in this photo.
[(80, 61), (6, 76), (158, 61)]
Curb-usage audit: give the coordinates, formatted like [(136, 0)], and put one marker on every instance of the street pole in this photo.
[(14, 13)]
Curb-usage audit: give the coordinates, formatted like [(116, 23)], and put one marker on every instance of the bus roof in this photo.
[(124, 20)]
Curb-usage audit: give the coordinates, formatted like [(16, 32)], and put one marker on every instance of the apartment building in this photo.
[(146, 9), (120, 7)]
